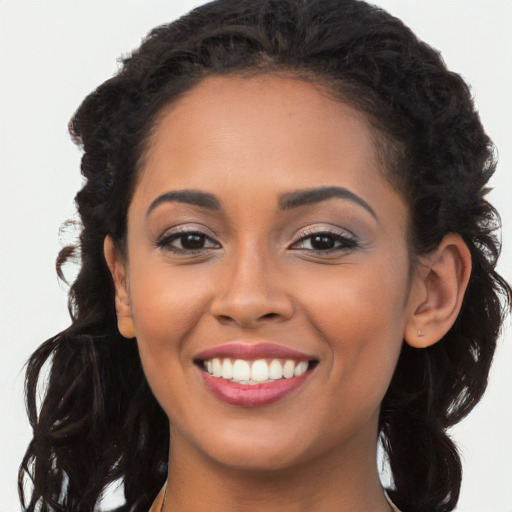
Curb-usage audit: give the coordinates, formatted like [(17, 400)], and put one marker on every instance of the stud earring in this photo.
[(420, 333)]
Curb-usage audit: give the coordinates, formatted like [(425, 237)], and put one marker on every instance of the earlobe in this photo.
[(122, 297), (439, 289)]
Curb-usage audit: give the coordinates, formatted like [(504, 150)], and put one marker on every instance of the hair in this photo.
[(98, 419)]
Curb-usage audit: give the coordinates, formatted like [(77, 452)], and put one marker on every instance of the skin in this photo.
[(248, 141)]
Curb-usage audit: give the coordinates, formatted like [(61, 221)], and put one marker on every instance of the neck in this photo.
[(344, 480)]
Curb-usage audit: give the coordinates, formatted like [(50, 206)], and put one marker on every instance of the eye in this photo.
[(325, 241), (187, 242)]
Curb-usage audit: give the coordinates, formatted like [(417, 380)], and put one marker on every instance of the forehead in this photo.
[(262, 117), (266, 133)]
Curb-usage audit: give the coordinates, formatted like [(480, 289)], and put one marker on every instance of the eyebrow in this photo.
[(317, 195), (194, 197), (286, 201)]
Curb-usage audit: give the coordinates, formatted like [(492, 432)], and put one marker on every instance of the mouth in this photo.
[(254, 375), (256, 372)]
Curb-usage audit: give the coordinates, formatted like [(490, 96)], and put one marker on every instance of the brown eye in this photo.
[(187, 242), (192, 241), (324, 242)]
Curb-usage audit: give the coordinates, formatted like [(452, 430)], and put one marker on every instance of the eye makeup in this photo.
[(187, 241), (325, 240)]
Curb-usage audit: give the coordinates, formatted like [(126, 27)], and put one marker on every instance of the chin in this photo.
[(260, 451), (258, 461)]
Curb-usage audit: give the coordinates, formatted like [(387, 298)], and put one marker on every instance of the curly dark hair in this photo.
[(97, 420)]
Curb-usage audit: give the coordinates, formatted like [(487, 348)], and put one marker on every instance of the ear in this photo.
[(118, 270), (439, 285)]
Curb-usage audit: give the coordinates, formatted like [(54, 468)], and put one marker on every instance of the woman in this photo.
[(286, 254)]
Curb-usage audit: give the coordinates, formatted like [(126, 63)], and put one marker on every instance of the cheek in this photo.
[(166, 305), (360, 312), (355, 300)]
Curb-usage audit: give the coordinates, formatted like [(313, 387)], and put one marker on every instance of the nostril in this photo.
[(225, 319), (269, 315)]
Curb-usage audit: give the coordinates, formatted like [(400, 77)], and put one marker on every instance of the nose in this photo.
[(252, 292)]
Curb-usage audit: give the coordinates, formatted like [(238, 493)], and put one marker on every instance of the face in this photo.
[(266, 273)]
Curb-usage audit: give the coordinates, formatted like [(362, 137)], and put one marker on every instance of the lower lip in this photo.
[(257, 395)]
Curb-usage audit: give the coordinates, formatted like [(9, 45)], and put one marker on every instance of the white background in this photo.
[(54, 52)]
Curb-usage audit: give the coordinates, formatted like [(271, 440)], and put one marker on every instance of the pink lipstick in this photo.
[(255, 395), (253, 375), (253, 351)]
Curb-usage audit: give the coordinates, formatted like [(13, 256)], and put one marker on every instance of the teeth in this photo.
[(288, 369), (241, 370), (300, 369), (275, 370), (217, 368), (227, 369), (259, 371), (255, 372)]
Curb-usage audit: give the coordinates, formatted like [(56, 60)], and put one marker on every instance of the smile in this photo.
[(255, 372), (253, 375)]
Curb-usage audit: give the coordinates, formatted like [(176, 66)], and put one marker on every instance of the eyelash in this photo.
[(346, 241), (165, 241)]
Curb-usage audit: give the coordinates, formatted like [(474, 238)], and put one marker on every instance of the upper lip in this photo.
[(253, 351)]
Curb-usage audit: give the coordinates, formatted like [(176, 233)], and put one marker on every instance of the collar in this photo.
[(159, 501)]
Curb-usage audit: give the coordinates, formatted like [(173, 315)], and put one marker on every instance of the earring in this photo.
[(420, 333)]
